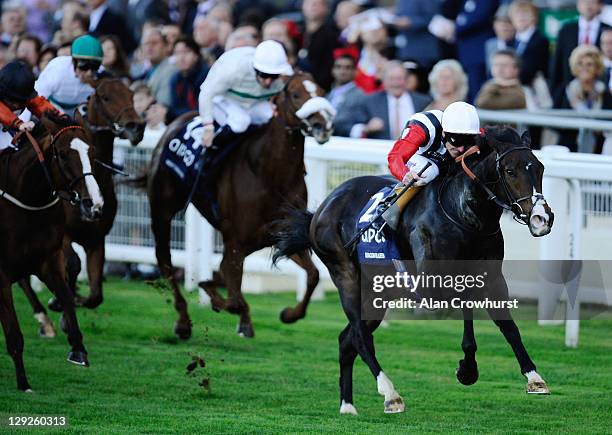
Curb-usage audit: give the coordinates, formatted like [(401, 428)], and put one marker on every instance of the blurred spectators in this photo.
[(64, 49), (504, 36), (146, 106), (606, 51), (155, 50), (531, 46), (40, 17), (414, 41), (504, 91), (47, 53), (278, 30), (472, 29), (27, 48), (141, 11), (207, 34), (103, 21), (585, 92), (586, 30), (74, 23), (345, 10), (115, 60), (448, 83), (320, 40), (13, 20), (185, 83), (344, 87), (245, 35), (372, 61), (381, 115), (171, 32), (4, 54)]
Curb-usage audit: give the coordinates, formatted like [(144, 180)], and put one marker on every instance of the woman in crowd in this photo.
[(584, 93), (27, 48), (47, 53), (186, 82), (448, 83), (115, 60)]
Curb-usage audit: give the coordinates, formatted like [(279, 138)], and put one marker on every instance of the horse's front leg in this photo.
[(95, 269), (46, 328), (231, 269), (507, 326), (467, 372)]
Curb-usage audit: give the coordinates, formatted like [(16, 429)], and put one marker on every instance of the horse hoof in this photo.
[(182, 331), (288, 316), (79, 358), (46, 330), (29, 390), (347, 408), (54, 305), (394, 406), (536, 387), (467, 373), (246, 330), (90, 303)]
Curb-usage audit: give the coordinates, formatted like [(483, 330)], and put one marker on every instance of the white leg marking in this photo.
[(92, 186), (347, 408), (385, 387), (533, 376)]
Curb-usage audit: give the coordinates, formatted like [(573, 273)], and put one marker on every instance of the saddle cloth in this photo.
[(376, 246)]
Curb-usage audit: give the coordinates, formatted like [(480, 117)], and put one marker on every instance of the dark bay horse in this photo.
[(34, 180), (453, 218), (109, 113), (264, 172)]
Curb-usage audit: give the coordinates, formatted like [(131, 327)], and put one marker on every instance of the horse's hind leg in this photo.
[(53, 275), (467, 372), (161, 219), (95, 269), (507, 326), (304, 260), (231, 269), (13, 335), (46, 328)]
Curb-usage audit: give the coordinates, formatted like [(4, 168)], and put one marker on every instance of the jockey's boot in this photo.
[(224, 136), (392, 215)]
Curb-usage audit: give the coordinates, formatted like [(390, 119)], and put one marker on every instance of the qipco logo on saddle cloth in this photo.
[(188, 142)]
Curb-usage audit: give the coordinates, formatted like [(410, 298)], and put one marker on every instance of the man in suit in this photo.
[(531, 46), (606, 50), (504, 36), (344, 71), (381, 115), (587, 30), (103, 21)]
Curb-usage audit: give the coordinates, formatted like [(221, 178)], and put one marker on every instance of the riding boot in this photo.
[(392, 215)]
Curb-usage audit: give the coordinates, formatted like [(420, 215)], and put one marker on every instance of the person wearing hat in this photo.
[(434, 137), (65, 80), (237, 90), (17, 94)]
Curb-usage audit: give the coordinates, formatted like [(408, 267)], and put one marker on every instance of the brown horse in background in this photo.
[(265, 172), (109, 113), (32, 223)]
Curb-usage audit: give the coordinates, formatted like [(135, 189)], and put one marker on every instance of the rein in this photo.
[(514, 203)]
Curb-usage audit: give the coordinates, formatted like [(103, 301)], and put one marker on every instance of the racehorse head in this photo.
[(303, 106), (519, 183), (111, 107), (70, 167)]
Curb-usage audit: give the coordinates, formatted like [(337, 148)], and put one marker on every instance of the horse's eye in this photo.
[(296, 96), (510, 172)]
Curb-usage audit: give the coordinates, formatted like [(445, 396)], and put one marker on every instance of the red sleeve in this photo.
[(39, 105), (403, 149), (7, 117)]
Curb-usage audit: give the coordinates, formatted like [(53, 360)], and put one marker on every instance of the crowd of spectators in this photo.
[(380, 61)]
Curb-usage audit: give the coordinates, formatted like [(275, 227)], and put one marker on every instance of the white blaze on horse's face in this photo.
[(316, 104), (92, 186)]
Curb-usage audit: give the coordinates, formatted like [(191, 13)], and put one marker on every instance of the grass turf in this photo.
[(286, 379)]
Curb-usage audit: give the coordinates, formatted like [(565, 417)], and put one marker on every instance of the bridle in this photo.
[(511, 204), (68, 195), (111, 122)]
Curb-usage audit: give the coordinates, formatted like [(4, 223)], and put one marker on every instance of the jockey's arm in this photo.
[(218, 82), (405, 147), (39, 105), (8, 118), (46, 83)]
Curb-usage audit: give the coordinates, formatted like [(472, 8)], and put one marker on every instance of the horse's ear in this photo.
[(493, 143), (526, 138)]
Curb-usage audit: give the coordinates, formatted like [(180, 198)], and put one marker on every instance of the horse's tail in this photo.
[(292, 235)]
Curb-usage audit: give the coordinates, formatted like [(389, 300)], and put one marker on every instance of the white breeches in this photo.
[(227, 111)]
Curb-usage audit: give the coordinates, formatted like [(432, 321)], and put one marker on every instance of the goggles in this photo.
[(85, 65), (264, 75), (461, 140)]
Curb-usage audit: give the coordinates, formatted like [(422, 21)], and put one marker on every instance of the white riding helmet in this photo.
[(270, 58), (460, 118)]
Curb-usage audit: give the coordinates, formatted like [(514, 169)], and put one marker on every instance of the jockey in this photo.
[(64, 81), (429, 137), (16, 94), (236, 91)]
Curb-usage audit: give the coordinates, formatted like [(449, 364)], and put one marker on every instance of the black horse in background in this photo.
[(456, 217)]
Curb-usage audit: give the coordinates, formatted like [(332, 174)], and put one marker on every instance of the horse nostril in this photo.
[(87, 203), (317, 126)]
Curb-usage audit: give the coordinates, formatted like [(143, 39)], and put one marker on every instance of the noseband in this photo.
[(513, 204), (112, 122)]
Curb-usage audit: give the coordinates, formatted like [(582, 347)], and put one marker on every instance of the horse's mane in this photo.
[(60, 120)]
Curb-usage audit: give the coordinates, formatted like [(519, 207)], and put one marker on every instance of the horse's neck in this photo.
[(103, 146), (469, 200), (23, 176)]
